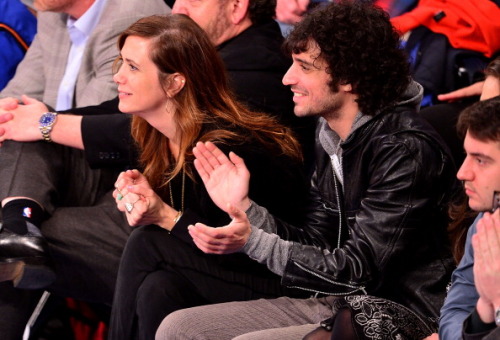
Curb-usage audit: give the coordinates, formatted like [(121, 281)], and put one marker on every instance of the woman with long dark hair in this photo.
[(171, 79)]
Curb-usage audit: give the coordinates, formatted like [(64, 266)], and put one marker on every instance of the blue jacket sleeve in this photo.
[(462, 296)]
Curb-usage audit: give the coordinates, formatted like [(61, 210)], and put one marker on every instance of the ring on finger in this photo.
[(120, 195), (130, 206)]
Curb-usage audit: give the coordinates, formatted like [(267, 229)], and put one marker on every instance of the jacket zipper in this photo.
[(355, 288), (338, 204)]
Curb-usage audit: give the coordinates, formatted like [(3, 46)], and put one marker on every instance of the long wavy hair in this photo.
[(361, 48), (205, 108)]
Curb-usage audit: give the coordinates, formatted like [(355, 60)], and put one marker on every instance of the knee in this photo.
[(139, 237), (155, 285), (343, 327), (180, 325), (142, 240), (144, 236)]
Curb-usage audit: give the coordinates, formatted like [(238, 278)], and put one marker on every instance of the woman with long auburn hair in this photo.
[(173, 82)]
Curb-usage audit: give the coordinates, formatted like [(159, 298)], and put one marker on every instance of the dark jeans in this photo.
[(160, 274), (85, 232)]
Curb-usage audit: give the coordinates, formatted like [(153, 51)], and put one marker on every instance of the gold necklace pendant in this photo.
[(182, 192)]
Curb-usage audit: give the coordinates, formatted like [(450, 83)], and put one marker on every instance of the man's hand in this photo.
[(5, 116), (224, 240), (486, 245), (433, 336), (226, 179), (291, 11), (8, 103), (469, 91), (20, 123)]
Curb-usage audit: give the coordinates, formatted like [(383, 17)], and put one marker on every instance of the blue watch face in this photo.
[(47, 119)]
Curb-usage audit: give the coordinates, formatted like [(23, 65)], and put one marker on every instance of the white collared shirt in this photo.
[(79, 31)]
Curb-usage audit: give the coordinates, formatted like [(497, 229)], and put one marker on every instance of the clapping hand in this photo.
[(486, 244), (223, 240), (226, 179)]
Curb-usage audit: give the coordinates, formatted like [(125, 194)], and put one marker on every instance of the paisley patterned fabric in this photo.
[(380, 319)]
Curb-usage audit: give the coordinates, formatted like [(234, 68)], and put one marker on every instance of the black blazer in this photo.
[(106, 135)]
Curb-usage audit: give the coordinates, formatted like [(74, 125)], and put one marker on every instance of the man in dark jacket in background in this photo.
[(249, 42)]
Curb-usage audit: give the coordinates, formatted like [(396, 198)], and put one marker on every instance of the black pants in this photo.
[(160, 274), (85, 232)]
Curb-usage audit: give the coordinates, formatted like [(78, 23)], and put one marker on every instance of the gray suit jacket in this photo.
[(42, 69)]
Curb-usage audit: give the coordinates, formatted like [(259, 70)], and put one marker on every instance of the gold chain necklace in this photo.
[(182, 192)]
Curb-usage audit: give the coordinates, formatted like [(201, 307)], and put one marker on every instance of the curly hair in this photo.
[(261, 10), (360, 47)]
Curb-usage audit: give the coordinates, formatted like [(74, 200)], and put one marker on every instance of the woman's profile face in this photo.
[(139, 89)]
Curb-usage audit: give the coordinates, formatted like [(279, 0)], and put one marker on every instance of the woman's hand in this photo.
[(226, 179), (135, 197)]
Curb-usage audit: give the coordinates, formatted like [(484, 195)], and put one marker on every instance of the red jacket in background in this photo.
[(468, 24)]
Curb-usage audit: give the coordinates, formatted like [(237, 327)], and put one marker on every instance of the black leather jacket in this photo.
[(389, 220)]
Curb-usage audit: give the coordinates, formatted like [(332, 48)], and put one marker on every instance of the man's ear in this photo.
[(176, 83), (239, 11), (346, 87)]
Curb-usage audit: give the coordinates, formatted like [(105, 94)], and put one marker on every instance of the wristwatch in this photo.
[(497, 316), (46, 123)]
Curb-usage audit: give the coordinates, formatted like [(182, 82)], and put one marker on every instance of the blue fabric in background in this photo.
[(13, 16)]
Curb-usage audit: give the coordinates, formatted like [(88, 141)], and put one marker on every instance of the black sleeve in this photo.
[(106, 135), (107, 140), (277, 182), (107, 107), (474, 328)]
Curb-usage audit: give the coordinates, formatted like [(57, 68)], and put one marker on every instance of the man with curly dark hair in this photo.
[(361, 53), (373, 249)]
